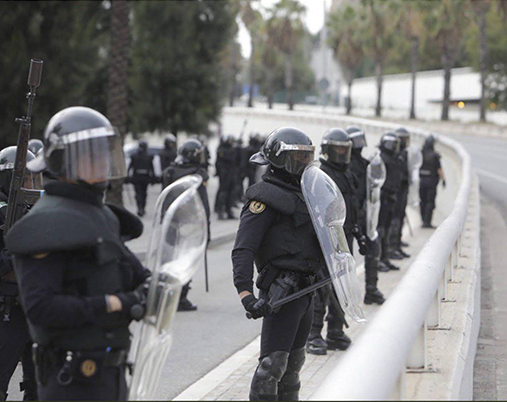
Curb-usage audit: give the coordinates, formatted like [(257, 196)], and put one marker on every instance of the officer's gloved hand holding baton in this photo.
[(256, 307), (134, 303), (361, 240)]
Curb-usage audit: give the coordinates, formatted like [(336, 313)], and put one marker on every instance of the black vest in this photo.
[(348, 187), (142, 163), (430, 165), (97, 264), (290, 242), (358, 166), (393, 172)]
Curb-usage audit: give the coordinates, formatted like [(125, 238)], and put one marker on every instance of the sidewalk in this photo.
[(231, 379)]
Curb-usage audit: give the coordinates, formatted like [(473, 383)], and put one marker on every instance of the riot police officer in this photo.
[(336, 149), (401, 203), (79, 284), (168, 154), (389, 152), (190, 160), (254, 145), (15, 342), (359, 166), (430, 174), (143, 174), (226, 163), (276, 232)]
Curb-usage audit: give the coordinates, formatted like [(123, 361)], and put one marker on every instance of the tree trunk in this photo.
[(251, 73), (378, 70), (118, 91), (414, 59), (289, 82), (483, 57), (349, 97), (270, 74), (446, 64)]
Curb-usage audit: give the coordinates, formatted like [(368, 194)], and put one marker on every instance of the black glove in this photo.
[(134, 303), (363, 245), (256, 307)]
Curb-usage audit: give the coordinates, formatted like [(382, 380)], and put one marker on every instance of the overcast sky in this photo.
[(314, 20)]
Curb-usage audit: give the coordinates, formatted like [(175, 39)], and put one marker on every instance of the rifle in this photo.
[(19, 196)]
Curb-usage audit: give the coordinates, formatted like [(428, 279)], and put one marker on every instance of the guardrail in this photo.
[(374, 368)]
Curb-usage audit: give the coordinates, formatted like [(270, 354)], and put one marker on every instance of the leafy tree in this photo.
[(285, 29), (68, 37), (176, 70), (346, 42)]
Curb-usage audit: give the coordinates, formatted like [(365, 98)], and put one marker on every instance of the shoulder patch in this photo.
[(256, 207)]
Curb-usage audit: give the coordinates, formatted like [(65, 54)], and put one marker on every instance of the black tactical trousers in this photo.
[(371, 260), (427, 195), (398, 218), (387, 205), (287, 329), (141, 183), (107, 384), (225, 196), (15, 345)]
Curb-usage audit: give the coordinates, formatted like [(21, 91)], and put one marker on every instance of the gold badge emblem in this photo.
[(88, 368), (256, 207)]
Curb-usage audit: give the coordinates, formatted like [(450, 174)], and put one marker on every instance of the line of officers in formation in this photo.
[(70, 286)]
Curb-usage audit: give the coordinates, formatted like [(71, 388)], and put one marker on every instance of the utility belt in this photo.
[(84, 366), (427, 173), (275, 284), (142, 172)]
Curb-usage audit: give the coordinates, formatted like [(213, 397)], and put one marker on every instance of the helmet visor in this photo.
[(404, 142), (337, 151), (358, 140), (392, 144), (296, 161), (94, 155)]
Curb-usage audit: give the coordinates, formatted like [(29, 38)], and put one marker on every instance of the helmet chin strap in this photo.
[(286, 176)]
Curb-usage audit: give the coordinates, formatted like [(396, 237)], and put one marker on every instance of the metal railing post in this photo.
[(417, 357), (434, 313), (443, 284)]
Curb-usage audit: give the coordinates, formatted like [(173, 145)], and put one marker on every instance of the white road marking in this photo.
[(491, 175)]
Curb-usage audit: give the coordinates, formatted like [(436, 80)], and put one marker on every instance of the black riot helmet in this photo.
[(404, 136), (191, 151), (143, 146), (7, 160), (357, 137), (336, 146), (288, 149), (429, 142), (390, 142), (170, 141), (80, 144), (35, 145)]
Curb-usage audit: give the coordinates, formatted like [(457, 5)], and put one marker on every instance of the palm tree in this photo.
[(410, 15), (117, 88), (378, 36), (480, 9), (446, 22), (285, 30), (344, 39)]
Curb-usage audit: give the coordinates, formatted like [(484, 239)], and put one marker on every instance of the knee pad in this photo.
[(268, 374)]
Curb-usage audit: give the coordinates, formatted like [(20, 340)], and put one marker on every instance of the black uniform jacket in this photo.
[(276, 231)]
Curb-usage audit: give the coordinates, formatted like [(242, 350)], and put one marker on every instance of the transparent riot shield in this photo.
[(328, 211), (415, 161), (375, 178), (176, 251)]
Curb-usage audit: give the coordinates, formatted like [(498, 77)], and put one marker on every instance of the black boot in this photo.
[(185, 304), (268, 374), (316, 345), (374, 296), (390, 265), (289, 386), (382, 267), (397, 255), (337, 340)]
